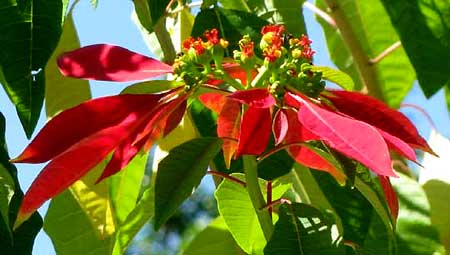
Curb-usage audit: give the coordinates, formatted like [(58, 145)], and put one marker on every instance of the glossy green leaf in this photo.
[(431, 30), (149, 87), (415, 234), (374, 31), (19, 242), (61, 92), (71, 229), (30, 31), (237, 210), (302, 230), (149, 12), (214, 239), (179, 173), (240, 5), (447, 97), (437, 191), (338, 77), (125, 187), (135, 220)]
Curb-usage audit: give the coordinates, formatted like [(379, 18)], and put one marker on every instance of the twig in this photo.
[(277, 149), (228, 177), (386, 52), (421, 110), (276, 202), (320, 13)]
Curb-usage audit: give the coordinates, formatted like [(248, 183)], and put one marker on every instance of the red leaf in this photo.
[(110, 63), (377, 114), (235, 71), (175, 117), (124, 153), (256, 98), (72, 125), (391, 197), (228, 123), (303, 155), (293, 100), (254, 131), (213, 101), (73, 164), (398, 145), (280, 126), (353, 138)]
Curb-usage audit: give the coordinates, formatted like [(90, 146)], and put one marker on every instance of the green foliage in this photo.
[(430, 32), (340, 78), (179, 173), (302, 229), (30, 31)]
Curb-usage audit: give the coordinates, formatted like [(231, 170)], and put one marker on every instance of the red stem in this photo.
[(269, 196), (228, 177)]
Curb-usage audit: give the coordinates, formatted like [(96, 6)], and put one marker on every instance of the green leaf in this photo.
[(355, 212), (180, 172), (302, 230), (149, 12), (95, 201), (232, 24), (19, 242), (415, 233), (135, 220), (94, 3), (214, 239), (71, 229), (374, 31), (447, 97), (437, 191), (149, 87), (6, 193), (237, 210), (30, 31), (288, 13), (338, 77), (61, 92), (125, 187), (425, 35), (240, 5)]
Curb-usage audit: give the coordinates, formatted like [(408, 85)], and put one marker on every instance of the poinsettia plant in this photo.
[(267, 97)]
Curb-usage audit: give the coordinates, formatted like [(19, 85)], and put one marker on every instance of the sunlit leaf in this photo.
[(340, 78), (79, 235), (214, 239), (149, 87), (228, 124), (179, 173), (30, 31)]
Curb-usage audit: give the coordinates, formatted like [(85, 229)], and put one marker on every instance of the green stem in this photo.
[(165, 41), (256, 196), (262, 75), (363, 63)]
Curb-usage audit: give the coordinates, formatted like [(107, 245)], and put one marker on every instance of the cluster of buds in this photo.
[(285, 61)]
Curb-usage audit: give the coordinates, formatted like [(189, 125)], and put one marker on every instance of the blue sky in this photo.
[(111, 23)]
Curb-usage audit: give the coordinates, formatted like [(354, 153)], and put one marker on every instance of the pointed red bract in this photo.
[(391, 197), (303, 155), (110, 63), (280, 126), (257, 98), (235, 71), (213, 101), (398, 145), (353, 138), (73, 164), (175, 117), (72, 125), (228, 123), (255, 131), (377, 114)]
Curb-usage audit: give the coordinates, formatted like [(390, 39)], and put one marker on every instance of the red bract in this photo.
[(377, 114), (110, 63), (79, 138)]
